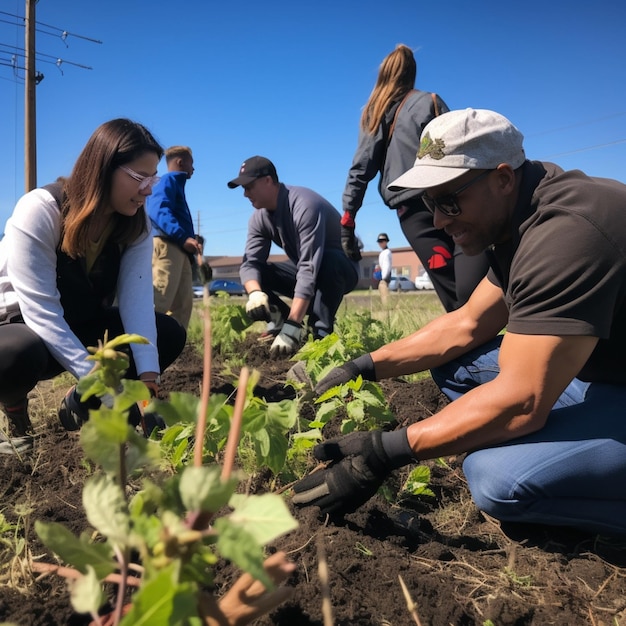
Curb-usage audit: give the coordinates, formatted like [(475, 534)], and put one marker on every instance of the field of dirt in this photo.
[(460, 567)]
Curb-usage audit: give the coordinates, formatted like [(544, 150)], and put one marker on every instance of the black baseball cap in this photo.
[(382, 237), (253, 168)]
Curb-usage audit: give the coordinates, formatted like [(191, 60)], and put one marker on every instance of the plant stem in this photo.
[(206, 387), (235, 425), (68, 572), (410, 605), (322, 570)]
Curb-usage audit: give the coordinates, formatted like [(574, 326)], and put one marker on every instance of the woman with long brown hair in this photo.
[(389, 136), (75, 262)]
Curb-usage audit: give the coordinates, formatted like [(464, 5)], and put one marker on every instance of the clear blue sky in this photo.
[(287, 80)]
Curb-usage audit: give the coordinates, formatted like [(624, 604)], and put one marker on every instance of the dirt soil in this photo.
[(460, 567)]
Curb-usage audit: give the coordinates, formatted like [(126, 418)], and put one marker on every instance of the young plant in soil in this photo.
[(171, 525)]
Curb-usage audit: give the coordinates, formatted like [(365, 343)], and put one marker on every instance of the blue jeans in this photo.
[(572, 472)]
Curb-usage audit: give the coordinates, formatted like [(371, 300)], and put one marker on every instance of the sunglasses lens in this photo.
[(430, 203), (447, 205)]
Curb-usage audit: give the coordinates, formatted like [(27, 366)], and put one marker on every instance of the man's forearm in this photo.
[(438, 342), (299, 307)]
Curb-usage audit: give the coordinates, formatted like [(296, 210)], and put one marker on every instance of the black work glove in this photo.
[(362, 365), (205, 272), (360, 465), (349, 242), (73, 413)]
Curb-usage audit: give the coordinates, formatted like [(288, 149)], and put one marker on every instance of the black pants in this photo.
[(26, 360), (453, 274), (336, 277)]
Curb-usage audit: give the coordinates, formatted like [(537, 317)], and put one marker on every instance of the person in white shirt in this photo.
[(384, 262), (70, 250)]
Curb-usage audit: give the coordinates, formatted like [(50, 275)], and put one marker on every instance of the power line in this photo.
[(57, 61), (60, 32), (595, 147)]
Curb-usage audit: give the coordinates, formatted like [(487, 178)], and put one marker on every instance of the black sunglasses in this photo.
[(448, 204)]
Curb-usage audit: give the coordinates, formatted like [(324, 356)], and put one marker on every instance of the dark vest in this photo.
[(84, 294)]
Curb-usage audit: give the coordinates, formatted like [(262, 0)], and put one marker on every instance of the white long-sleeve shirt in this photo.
[(28, 285), (384, 260)]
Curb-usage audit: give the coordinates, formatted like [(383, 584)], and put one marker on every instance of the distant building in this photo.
[(405, 263)]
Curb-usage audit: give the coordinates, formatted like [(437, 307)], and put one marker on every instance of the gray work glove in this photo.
[(360, 464), (362, 365), (349, 241), (288, 340), (258, 306)]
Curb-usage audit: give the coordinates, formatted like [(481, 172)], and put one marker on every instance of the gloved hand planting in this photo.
[(362, 365), (73, 413), (258, 306), (288, 340), (349, 241), (360, 465)]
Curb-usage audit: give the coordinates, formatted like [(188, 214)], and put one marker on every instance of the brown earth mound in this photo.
[(459, 567)]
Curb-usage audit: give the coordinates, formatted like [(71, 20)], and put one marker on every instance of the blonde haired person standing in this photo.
[(176, 246)]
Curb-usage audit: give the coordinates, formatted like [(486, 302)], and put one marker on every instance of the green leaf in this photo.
[(103, 438), (282, 415), (325, 412), (106, 508), (202, 488), (356, 410), (243, 549), (271, 448), (418, 481), (163, 600), (78, 552), (265, 517), (86, 593)]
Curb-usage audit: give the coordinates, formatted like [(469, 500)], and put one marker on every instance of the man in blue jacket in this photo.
[(175, 243)]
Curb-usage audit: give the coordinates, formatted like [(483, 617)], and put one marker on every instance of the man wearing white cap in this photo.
[(540, 408)]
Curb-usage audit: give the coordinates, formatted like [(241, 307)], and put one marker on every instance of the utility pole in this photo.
[(32, 79), (30, 108)]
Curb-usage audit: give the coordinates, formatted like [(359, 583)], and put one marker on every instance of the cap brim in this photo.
[(426, 176), (241, 180)]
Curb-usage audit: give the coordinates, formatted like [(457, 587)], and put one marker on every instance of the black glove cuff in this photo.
[(292, 323), (363, 365), (397, 448)]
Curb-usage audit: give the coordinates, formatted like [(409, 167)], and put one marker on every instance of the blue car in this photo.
[(231, 287), (401, 283)]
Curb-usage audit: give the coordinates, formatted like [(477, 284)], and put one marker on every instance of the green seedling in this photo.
[(170, 523), (417, 482), (363, 550)]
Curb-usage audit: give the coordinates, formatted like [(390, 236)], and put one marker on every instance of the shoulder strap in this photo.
[(56, 191), (395, 117), (434, 97)]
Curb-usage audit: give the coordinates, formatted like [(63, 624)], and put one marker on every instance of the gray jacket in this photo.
[(304, 224), (373, 155)]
